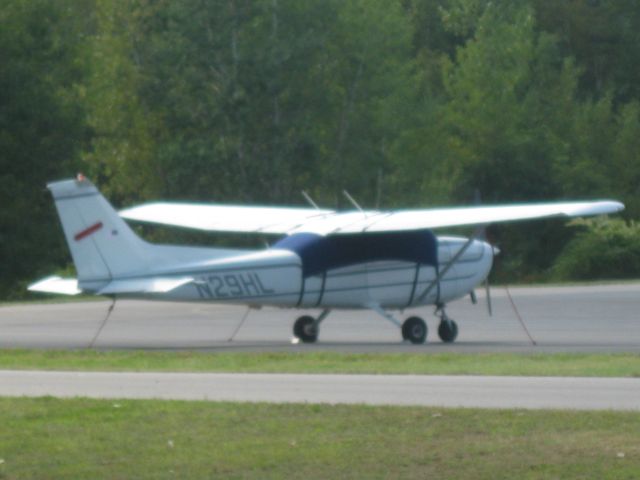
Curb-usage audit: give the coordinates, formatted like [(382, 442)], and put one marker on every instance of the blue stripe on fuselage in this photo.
[(320, 254)]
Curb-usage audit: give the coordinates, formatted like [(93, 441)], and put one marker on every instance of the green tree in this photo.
[(121, 152), (504, 90), (624, 164), (604, 248), (602, 36), (247, 101), (42, 129)]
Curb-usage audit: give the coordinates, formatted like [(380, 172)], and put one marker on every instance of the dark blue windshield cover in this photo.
[(320, 254)]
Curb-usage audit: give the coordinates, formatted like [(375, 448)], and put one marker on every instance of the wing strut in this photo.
[(476, 234)]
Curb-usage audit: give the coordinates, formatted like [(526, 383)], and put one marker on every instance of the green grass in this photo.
[(50, 438), (573, 364)]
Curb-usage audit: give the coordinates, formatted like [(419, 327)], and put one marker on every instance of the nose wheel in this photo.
[(448, 328)]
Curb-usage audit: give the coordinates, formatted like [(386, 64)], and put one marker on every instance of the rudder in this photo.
[(102, 245)]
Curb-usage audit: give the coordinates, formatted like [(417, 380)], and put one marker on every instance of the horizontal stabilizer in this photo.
[(54, 284), (144, 285)]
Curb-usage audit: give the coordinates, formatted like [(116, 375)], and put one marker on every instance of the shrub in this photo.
[(605, 249)]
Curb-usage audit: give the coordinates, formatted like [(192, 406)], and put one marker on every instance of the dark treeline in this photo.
[(403, 103)]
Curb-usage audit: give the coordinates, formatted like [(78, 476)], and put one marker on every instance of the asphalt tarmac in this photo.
[(417, 390), (594, 318)]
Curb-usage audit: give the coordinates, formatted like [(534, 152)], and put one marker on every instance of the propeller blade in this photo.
[(495, 251), (488, 291)]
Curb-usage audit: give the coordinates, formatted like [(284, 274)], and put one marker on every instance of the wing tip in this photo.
[(618, 205), (602, 207)]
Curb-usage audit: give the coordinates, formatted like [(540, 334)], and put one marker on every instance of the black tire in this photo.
[(305, 330), (448, 331), (414, 329)]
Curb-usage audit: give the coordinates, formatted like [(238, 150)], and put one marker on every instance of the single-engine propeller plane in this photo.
[(379, 260)]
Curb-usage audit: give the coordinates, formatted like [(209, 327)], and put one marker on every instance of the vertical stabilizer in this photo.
[(102, 244)]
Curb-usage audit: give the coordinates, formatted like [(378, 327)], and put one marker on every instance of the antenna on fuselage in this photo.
[(353, 202), (310, 200)]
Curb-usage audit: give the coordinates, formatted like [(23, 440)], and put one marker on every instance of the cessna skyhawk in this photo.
[(379, 260)]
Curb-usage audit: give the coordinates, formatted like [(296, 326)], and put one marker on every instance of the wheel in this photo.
[(448, 331), (414, 329), (305, 329)]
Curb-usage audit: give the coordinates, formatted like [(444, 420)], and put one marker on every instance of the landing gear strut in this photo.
[(307, 328), (413, 329), (448, 328)]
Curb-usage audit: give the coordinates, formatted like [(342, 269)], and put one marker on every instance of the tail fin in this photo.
[(102, 244)]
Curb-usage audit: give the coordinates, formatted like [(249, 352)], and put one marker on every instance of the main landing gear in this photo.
[(415, 330), (306, 327)]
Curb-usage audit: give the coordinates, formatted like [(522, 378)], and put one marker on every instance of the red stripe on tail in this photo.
[(88, 231)]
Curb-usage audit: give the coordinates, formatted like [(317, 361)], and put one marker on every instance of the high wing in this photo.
[(464, 216), (286, 221), (226, 218)]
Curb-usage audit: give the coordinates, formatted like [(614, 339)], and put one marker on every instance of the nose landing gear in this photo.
[(448, 328)]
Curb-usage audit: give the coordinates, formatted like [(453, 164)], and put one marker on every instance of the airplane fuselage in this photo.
[(276, 277)]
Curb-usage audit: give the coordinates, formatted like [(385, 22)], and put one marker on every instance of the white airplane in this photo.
[(377, 260)]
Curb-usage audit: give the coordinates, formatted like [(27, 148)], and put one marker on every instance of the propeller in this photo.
[(482, 235), (487, 289)]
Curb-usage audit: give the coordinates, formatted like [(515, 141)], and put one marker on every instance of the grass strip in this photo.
[(561, 364), (49, 438)]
